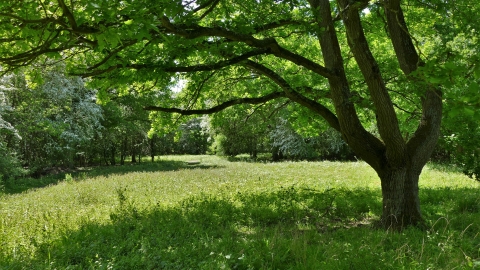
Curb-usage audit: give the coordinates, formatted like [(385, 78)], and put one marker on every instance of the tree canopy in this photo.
[(349, 62)]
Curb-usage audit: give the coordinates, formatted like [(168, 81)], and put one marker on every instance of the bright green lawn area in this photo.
[(222, 214)]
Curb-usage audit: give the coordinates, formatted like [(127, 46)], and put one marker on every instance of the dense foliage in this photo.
[(50, 123), (57, 124)]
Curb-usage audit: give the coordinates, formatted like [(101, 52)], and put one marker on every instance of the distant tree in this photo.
[(10, 166), (460, 140), (243, 129), (289, 143), (331, 146), (456, 46), (53, 119), (344, 60), (125, 130), (193, 137)]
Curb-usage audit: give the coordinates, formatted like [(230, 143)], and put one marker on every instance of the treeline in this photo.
[(57, 122)]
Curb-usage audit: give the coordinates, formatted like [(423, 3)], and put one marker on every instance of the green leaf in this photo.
[(454, 112), (477, 71), (450, 65), (435, 80), (54, 55), (468, 111), (473, 89), (143, 34)]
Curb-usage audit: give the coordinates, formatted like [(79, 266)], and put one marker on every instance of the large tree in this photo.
[(246, 51)]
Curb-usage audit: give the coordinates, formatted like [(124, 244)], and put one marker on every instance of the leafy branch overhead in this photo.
[(219, 107)]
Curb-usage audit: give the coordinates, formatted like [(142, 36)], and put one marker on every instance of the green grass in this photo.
[(222, 214)]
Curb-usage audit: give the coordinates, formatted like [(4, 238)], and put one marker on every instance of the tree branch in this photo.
[(369, 147), (73, 24), (210, 9), (387, 120), (294, 95), (25, 21), (68, 14), (276, 24), (198, 90), (204, 5), (196, 68), (405, 51), (423, 142), (220, 107), (105, 59), (196, 31), (20, 59)]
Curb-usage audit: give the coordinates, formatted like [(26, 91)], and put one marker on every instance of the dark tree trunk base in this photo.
[(401, 203)]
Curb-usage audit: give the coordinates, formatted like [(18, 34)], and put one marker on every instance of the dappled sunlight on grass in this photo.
[(203, 227), (436, 176), (235, 215)]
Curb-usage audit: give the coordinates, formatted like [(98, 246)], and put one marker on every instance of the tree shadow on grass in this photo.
[(25, 184), (157, 166), (261, 158), (243, 231), (292, 228)]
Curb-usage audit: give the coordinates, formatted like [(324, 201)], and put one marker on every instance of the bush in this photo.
[(194, 137), (459, 146), (10, 166), (291, 144), (217, 146), (331, 146)]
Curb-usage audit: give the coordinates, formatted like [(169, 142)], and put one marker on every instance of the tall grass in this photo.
[(220, 214)]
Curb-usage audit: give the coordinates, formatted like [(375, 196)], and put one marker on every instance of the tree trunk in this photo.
[(152, 147), (105, 156), (253, 147), (397, 162), (133, 153), (401, 204), (113, 150), (123, 151), (276, 154)]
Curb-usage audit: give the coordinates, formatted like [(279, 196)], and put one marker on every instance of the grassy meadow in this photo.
[(233, 214)]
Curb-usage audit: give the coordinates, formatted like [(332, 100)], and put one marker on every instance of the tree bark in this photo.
[(401, 203)]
